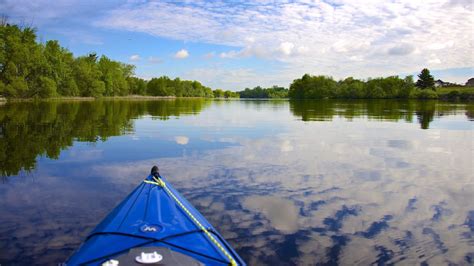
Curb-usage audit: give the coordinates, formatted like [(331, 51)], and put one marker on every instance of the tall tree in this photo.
[(161, 86), (61, 62), (425, 80), (114, 76), (87, 76)]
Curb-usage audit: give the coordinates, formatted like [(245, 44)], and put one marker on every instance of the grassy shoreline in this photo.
[(444, 94), (447, 90), (78, 98)]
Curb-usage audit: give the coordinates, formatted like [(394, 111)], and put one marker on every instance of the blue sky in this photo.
[(238, 44)]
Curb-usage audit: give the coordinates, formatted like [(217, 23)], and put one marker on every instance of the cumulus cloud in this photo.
[(181, 54), (134, 58)]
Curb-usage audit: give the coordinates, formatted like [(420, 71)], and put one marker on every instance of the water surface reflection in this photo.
[(286, 183)]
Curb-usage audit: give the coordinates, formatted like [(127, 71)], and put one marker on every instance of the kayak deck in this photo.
[(155, 215)]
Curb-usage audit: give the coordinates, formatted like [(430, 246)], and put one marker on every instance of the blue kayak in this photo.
[(155, 225)]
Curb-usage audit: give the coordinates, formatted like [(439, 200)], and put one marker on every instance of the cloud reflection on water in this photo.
[(386, 193), (181, 140)]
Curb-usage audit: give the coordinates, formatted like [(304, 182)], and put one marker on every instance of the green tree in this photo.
[(425, 80), (61, 63), (46, 87), (218, 93), (88, 76), (259, 92), (277, 92), (137, 85), (407, 88), (161, 86), (114, 75), (231, 94), (350, 88), (18, 48), (32, 69), (312, 87)]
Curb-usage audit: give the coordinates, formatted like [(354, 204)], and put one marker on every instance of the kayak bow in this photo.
[(155, 225)]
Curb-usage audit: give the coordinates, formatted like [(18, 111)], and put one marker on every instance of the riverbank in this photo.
[(456, 93), (465, 94), (129, 97)]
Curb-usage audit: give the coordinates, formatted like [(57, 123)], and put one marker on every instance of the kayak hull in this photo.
[(151, 217)]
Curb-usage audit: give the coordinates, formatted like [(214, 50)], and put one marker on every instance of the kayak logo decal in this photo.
[(148, 228)]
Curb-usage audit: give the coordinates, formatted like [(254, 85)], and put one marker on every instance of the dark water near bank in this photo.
[(317, 182)]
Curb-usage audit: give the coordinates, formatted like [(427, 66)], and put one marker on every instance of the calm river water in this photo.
[(286, 183)]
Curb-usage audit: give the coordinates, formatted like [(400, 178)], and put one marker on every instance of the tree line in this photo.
[(319, 87), (263, 93), (29, 69), (392, 87)]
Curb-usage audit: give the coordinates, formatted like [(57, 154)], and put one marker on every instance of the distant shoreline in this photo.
[(77, 98), (445, 94), (442, 98)]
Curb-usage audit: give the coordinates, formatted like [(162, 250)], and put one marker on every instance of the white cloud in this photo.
[(229, 54), (434, 59), (441, 45), (252, 49), (181, 54), (283, 50), (286, 48), (134, 58)]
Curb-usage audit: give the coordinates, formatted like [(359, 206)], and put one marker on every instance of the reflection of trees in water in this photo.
[(425, 113), (388, 110), (323, 110), (29, 129), (470, 112)]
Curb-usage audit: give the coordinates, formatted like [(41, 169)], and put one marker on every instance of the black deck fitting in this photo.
[(155, 171)]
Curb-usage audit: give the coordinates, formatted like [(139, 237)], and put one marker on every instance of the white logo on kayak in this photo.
[(149, 228)]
